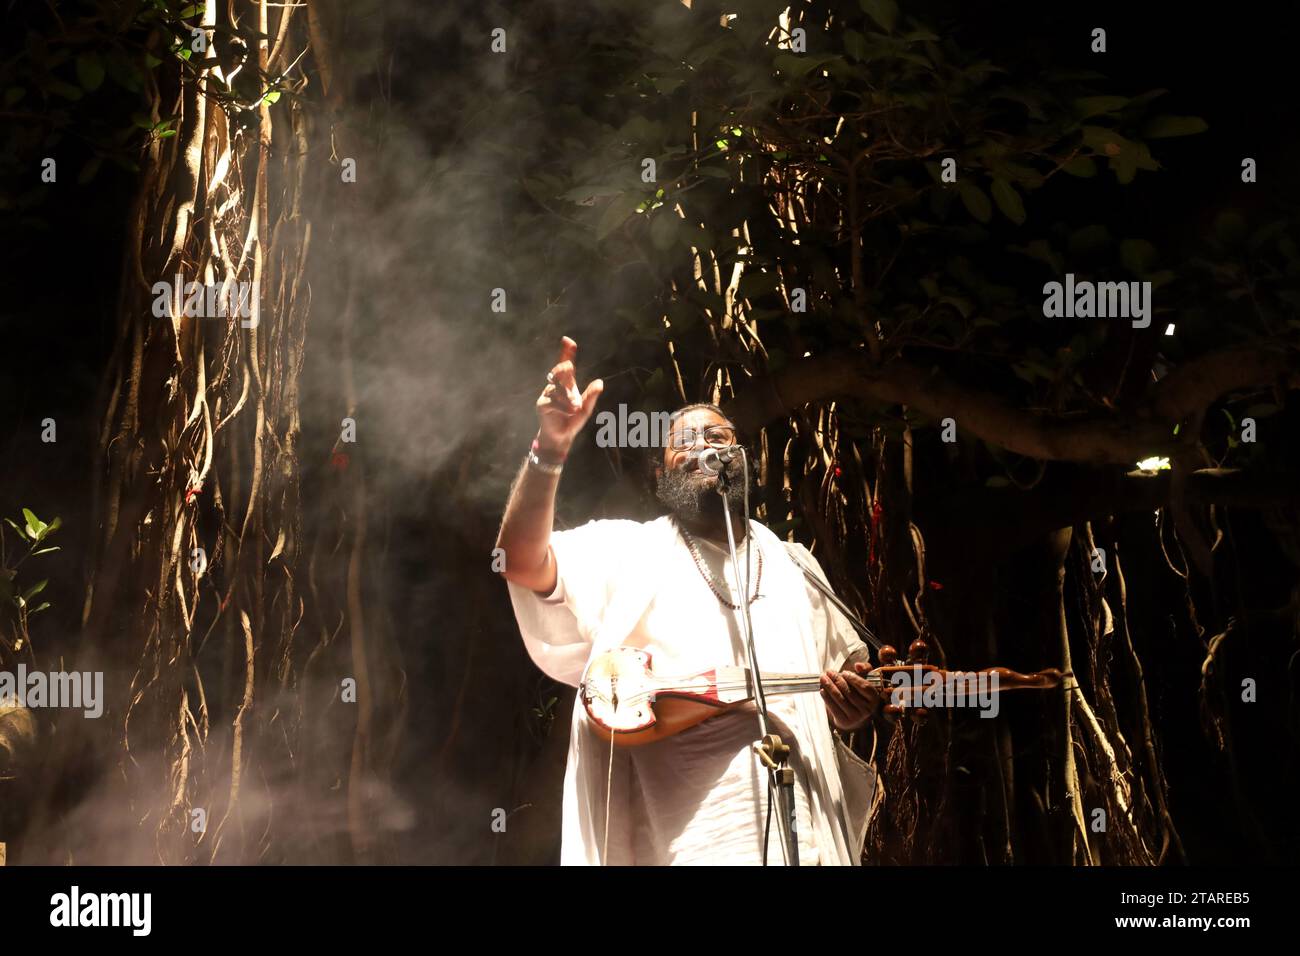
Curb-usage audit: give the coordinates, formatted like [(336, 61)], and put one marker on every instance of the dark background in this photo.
[(1235, 67)]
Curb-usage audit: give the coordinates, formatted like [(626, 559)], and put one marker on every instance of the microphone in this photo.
[(712, 461)]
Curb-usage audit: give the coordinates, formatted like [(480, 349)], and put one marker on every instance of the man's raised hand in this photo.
[(561, 409)]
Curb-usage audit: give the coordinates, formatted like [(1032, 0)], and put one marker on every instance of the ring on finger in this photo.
[(550, 378)]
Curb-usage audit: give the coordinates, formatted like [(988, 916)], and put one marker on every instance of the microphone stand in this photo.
[(774, 754)]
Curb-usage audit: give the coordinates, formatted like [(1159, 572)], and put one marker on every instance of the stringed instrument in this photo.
[(630, 705)]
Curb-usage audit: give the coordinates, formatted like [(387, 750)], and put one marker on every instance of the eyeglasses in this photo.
[(715, 436)]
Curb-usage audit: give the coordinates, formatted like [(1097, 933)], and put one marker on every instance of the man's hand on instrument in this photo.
[(561, 409), (849, 699)]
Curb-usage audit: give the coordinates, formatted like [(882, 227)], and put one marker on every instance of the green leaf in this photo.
[(1041, 250), (41, 607), (123, 71), (90, 71), (1104, 140), (1262, 410), (1030, 370), (855, 45), (1127, 157), (1088, 240), (884, 12), (1230, 227), (1160, 127), (1265, 233), (579, 194), (89, 170), (664, 229), (1094, 105), (964, 306), (667, 85), (1138, 256), (34, 524), (192, 10), (21, 533), (615, 214), (272, 97), (1009, 201), (45, 550), (65, 90), (35, 589), (1124, 168), (801, 64), (1081, 166), (975, 201), (14, 94)]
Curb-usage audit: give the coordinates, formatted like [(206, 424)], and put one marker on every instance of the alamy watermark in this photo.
[(914, 687), (63, 689), (197, 300), (626, 429), (1085, 299), (75, 908)]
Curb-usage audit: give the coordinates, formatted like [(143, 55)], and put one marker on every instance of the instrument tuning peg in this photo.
[(918, 652), (888, 655)]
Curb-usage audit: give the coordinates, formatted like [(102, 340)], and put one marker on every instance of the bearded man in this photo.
[(701, 795)]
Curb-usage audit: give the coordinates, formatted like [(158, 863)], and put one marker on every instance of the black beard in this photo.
[(692, 496)]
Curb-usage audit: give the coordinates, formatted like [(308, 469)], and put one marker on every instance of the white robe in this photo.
[(632, 582)]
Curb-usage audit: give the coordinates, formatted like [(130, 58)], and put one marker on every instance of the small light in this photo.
[(1154, 464), (1170, 329)]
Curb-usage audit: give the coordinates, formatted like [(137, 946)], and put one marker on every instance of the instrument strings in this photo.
[(609, 782), (768, 685)]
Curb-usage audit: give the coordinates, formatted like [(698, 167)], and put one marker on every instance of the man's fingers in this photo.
[(851, 698), (563, 375), (869, 695), (553, 401), (831, 690), (837, 712), (562, 372), (590, 397), (568, 350), (858, 701), (858, 683)]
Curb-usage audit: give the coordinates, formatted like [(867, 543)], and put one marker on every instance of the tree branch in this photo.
[(1010, 519), (1145, 432)]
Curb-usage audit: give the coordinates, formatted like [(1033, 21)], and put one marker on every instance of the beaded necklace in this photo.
[(711, 581)]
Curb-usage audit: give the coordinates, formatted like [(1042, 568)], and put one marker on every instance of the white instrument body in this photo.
[(620, 691)]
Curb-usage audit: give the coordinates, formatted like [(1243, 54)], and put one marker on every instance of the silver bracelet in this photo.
[(538, 465)]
